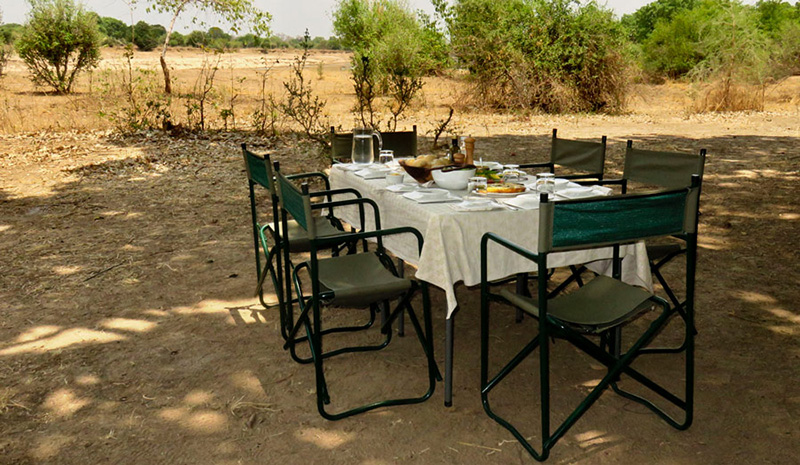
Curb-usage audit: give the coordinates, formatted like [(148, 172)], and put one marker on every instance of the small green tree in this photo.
[(239, 13), (60, 40), (393, 48), (116, 31), (146, 37)]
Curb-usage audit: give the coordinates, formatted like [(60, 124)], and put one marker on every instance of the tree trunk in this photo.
[(164, 67), (167, 82)]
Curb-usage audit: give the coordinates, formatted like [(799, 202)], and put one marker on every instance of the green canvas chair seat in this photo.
[(366, 279), (603, 307), (619, 303), (269, 240), (298, 239), (358, 280)]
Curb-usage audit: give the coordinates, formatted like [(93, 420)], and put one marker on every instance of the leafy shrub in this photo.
[(59, 41), (644, 21), (147, 37), (115, 31), (738, 61), (393, 49), (553, 56), (673, 48)]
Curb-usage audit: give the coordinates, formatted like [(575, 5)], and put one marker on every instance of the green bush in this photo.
[(115, 31), (673, 48), (643, 21), (60, 40), (393, 48), (147, 37), (553, 56)]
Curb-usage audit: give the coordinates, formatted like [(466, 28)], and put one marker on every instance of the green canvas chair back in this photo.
[(671, 170), (616, 219), (296, 203), (402, 143), (583, 156), (256, 167)]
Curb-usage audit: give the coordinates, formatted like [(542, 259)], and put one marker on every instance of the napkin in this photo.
[(373, 173), (405, 187), (524, 202), (582, 192), (480, 205)]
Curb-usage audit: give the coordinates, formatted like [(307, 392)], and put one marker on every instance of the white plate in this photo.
[(431, 196), (405, 187)]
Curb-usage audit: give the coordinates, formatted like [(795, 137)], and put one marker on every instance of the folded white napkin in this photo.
[(373, 173), (431, 196), (479, 205), (582, 192), (404, 187), (524, 201)]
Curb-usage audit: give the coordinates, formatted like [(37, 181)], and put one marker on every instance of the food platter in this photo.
[(502, 190)]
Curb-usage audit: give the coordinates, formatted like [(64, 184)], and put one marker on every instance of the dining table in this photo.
[(452, 234)]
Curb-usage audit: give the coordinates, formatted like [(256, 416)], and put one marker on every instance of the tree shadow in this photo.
[(130, 331)]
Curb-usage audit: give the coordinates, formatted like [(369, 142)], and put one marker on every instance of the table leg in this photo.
[(448, 360), (401, 327), (522, 289)]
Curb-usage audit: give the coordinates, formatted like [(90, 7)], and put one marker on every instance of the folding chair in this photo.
[(602, 307), (585, 160), (666, 170), (360, 280), (269, 239), (402, 143)]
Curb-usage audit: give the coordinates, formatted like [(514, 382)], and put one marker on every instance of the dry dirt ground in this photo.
[(129, 332)]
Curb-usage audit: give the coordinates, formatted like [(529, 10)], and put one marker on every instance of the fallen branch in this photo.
[(106, 270)]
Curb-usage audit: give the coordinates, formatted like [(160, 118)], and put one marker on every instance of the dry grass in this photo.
[(101, 100)]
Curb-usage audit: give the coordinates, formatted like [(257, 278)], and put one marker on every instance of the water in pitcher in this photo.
[(362, 149)]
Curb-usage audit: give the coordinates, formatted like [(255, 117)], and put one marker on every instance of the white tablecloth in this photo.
[(451, 252)]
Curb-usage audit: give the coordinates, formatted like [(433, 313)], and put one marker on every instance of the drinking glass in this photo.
[(476, 183), (546, 182), (386, 157)]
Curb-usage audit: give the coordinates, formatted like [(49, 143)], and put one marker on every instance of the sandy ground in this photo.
[(129, 332)]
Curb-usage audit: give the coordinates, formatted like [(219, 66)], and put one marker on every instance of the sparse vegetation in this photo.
[(60, 40)]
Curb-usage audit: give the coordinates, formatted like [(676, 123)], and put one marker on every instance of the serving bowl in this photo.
[(453, 177), (419, 173)]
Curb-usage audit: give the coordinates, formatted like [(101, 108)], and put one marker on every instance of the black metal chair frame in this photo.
[(608, 350), (310, 306), (267, 238)]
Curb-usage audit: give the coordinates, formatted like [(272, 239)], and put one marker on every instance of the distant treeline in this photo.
[(147, 37)]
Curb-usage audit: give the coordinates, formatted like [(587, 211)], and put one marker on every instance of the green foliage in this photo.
[(115, 31), (553, 56), (643, 21), (9, 33), (393, 49), (673, 48), (59, 41), (176, 39), (147, 37), (196, 39), (301, 105), (4, 50)]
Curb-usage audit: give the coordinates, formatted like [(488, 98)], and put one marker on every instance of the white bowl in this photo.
[(454, 180)]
